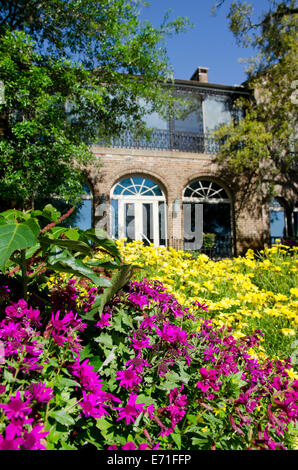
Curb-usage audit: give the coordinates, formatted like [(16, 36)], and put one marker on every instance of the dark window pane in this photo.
[(162, 223), (114, 218), (147, 223), (129, 212)]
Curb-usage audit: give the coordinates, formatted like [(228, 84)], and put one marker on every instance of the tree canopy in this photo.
[(263, 143), (74, 71)]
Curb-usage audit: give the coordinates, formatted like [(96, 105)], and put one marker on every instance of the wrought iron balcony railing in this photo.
[(166, 140)]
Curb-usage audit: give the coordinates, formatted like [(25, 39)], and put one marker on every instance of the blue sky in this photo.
[(208, 44)]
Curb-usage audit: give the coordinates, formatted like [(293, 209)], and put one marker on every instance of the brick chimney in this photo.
[(200, 75)]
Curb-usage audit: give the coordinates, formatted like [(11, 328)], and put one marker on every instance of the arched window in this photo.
[(216, 212), (138, 211)]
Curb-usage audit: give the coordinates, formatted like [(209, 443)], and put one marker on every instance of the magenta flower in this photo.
[(148, 322), (87, 376), (92, 406), (143, 446), (59, 338), (156, 447), (140, 341), (137, 364), (129, 446), (172, 333), (33, 315), (63, 323), (32, 439), (150, 411), (104, 320), (17, 310), (113, 447), (209, 380), (10, 442), (202, 306), (39, 392), (132, 410), (128, 378), (210, 352), (138, 299), (16, 408)]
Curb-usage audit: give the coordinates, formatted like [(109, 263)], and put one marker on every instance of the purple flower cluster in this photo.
[(22, 430), (146, 293), (19, 335), (94, 400), (131, 446), (163, 342), (222, 357), (262, 382), (62, 329), (175, 411)]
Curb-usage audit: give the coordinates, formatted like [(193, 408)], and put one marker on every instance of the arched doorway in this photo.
[(217, 212), (138, 211)]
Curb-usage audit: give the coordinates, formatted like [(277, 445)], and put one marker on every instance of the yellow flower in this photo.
[(288, 332), (294, 291), (292, 374)]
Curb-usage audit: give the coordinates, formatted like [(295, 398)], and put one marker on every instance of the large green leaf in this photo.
[(72, 245), (100, 239), (119, 279), (62, 417), (11, 215), (77, 267), (33, 224), (14, 237)]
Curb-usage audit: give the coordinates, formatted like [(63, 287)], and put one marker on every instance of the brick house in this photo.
[(144, 187), (149, 189)]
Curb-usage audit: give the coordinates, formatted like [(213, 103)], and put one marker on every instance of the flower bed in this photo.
[(149, 373), (256, 291)]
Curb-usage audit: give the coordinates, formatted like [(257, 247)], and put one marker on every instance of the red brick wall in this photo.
[(173, 171)]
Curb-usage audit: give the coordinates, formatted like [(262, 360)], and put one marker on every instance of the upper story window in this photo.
[(153, 119), (191, 116), (217, 111)]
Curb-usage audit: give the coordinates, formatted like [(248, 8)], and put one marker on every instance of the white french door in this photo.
[(142, 219)]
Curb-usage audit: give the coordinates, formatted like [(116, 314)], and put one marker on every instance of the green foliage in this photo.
[(72, 73), (30, 247), (263, 143)]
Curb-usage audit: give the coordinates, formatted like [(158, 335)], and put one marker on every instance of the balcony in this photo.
[(166, 140)]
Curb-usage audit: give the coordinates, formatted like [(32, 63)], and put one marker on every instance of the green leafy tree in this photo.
[(262, 145), (71, 72)]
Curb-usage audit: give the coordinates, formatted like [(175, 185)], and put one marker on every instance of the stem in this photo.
[(24, 274), (46, 413)]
